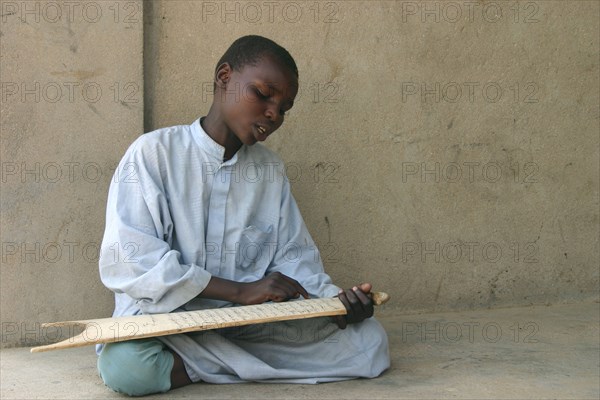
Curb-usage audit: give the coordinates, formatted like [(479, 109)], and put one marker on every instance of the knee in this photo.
[(376, 346), (371, 332), (136, 367), (378, 332)]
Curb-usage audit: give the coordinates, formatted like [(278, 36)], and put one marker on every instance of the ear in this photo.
[(223, 75)]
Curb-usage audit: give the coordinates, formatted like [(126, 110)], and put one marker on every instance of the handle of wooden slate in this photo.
[(379, 298)]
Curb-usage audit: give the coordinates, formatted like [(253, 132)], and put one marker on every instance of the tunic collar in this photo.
[(211, 147)]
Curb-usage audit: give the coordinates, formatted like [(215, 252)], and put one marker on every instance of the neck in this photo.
[(220, 133)]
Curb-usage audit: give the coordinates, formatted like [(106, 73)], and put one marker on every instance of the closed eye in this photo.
[(262, 96), (259, 94)]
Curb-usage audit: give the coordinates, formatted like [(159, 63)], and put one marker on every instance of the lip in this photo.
[(259, 135)]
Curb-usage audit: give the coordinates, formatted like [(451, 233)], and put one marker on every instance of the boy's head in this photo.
[(256, 82), (251, 49)]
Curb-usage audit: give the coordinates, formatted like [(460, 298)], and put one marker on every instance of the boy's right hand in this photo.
[(273, 287)]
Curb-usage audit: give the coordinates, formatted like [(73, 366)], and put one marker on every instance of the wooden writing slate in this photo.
[(118, 329)]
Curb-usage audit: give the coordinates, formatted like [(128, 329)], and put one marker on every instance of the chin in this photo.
[(250, 141)]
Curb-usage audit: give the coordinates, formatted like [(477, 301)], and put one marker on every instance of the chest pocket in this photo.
[(256, 248)]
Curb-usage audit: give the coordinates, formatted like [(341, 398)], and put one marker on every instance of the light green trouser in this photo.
[(136, 367)]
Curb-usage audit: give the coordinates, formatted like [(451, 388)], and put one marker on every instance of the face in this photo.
[(253, 101)]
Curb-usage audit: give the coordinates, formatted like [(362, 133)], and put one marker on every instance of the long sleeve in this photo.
[(136, 257), (297, 255)]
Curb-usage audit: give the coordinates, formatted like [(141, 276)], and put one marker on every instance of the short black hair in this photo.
[(249, 50)]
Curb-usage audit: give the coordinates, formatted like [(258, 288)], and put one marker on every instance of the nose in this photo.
[(272, 112)]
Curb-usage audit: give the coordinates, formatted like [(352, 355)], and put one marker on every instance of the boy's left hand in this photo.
[(358, 304)]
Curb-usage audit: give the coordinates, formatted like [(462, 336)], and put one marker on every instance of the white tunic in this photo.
[(177, 215)]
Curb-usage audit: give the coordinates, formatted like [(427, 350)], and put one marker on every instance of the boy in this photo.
[(201, 217)]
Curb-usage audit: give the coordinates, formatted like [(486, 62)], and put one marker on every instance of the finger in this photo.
[(297, 286), (341, 321), (280, 290), (357, 305), (346, 303), (277, 297), (285, 289), (277, 284), (353, 298), (365, 287), (366, 301)]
